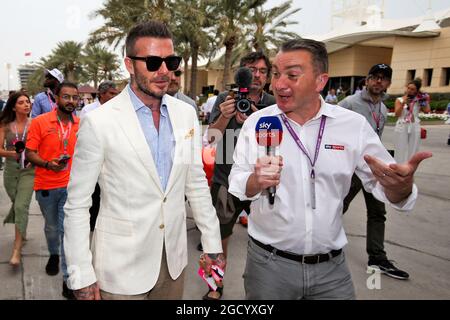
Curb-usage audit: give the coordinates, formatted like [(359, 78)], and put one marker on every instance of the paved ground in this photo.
[(419, 242)]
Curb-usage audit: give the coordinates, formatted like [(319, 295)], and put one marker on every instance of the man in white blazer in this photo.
[(144, 148)]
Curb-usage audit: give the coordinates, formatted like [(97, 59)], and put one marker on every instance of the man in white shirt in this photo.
[(331, 97), (106, 91), (295, 247), (209, 104)]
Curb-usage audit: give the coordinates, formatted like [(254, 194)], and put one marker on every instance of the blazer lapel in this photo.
[(131, 127), (177, 126)]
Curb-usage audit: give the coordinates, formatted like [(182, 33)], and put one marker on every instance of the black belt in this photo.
[(308, 259)]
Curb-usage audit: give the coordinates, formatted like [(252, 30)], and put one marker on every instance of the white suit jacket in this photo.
[(136, 216)]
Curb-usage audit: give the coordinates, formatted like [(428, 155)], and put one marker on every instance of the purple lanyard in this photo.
[(302, 147)]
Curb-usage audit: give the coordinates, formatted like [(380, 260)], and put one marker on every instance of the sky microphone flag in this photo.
[(269, 131)]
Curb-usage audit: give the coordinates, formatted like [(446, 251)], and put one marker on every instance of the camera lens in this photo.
[(243, 105)]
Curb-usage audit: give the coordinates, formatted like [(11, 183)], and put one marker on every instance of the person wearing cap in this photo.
[(174, 90), (369, 103), (296, 247), (45, 101)]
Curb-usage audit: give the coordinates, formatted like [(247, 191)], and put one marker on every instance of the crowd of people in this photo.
[(126, 166)]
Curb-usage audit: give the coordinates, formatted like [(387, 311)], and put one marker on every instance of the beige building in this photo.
[(416, 47)]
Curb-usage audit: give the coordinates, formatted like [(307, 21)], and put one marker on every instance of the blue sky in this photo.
[(36, 26)]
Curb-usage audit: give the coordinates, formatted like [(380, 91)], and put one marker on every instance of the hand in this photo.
[(91, 292), (54, 166), (241, 117), (397, 179), (227, 108), (268, 171), (405, 99), (206, 262)]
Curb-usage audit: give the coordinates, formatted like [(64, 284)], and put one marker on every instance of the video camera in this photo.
[(243, 79)]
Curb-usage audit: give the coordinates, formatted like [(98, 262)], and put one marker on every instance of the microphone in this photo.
[(269, 133), (243, 77)]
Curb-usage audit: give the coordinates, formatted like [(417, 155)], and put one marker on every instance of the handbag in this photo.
[(423, 133)]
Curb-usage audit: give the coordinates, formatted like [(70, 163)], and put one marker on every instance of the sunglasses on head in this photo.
[(154, 62)]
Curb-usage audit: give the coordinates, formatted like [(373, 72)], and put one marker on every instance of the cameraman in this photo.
[(225, 124)]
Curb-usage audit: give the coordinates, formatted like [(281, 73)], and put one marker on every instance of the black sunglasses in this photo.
[(177, 73), (154, 62)]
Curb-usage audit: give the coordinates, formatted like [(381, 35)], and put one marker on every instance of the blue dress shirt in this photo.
[(162, 144)]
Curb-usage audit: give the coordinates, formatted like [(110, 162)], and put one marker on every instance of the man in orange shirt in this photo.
[(50, 147)]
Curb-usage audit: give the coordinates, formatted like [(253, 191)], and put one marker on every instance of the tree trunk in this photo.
[(193, 86), (227, 64), (186, 70)]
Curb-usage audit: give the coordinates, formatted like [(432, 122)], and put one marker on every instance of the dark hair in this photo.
[(150, 29), (8, 115), (216, 92), (316, 48), (65, 84), (255, 56), (417, 82), (105, 86)]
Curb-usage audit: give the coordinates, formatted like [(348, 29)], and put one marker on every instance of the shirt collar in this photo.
[(138, 104), (325, 109)]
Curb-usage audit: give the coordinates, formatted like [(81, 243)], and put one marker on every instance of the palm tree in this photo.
[(267, 28), (109, 65), (91, 61), (192, 20), (232, 16), (99, 64), (68, 59), (122, 15)]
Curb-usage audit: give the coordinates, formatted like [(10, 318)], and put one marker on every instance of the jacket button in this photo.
[(165, 199), (161, 226)]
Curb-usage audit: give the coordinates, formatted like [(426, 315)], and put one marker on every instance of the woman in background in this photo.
[(407, 128), (18, 176)]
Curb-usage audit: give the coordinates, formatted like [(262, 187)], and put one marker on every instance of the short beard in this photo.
[(375, 94), (63, 110), (141, 83)]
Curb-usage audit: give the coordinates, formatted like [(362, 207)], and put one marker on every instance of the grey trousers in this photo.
[(271, 277), (165, 288)]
